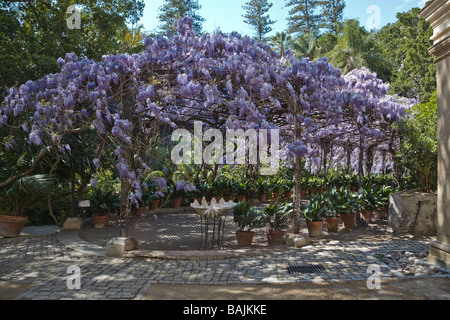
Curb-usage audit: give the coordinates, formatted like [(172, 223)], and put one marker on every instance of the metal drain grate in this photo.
[(306, 269)]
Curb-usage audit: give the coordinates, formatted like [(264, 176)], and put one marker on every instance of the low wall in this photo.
[(412, 212)]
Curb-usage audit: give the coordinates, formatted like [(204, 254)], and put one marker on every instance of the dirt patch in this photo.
[(403, 289), (10, 290)]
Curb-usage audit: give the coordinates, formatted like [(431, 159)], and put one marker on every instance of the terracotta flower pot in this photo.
[(217, 198), (275, 195), (100, 221), (177, 202), (366, 215), (263, 197), (240, 198), (154, 205), (382, 212), (11, 226), (302, 192), (332, 224), (244, 238), (314, 228), (141, 210), (228, 198), (275, 237), (288, 195), (348, 219)]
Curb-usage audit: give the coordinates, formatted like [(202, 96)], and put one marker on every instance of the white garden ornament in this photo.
[(214, 210)]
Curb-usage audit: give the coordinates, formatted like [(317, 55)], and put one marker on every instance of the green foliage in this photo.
[(280, 42), (405, 43), (246, 217), (303, 16), (277, 216), (356, 48), (172, 10), (305, 46), (103, 202), (383, 195), (316, 209), (332, 14), (263, 185), (369, 199), (340, 200), (418, 151), (25, 193), (257, 18), (34, 34)]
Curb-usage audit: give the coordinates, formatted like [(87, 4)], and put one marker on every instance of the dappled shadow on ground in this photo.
[(185, 231)]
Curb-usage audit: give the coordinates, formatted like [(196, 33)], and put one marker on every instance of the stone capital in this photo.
[(437, 13)]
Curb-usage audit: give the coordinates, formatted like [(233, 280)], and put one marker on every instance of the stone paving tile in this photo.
[(44, 262)]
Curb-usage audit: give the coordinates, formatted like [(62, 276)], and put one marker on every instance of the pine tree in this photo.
[(173, 10), (256, 17), (332, 14), (303, 16)]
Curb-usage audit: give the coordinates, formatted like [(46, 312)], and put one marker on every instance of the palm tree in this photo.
[(355, 49), (24, 193), (280, 42), (131, 39), (305, 46)]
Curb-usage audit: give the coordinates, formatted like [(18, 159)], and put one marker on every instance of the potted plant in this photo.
[(368, 203), (275, 186), (314, 213), (277, 218), (180, 191), (228, 189), (263, 188), (103, 202), (332, 218), (286, 187), (17, 198), (246, 219), (240, 190), (347, 204), (220, 187), (383, 201), (305, 187)]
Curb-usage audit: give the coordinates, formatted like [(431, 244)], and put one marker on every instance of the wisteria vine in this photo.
[(226, 81)]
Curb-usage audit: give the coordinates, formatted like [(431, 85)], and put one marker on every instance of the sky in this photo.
[(226, 15)]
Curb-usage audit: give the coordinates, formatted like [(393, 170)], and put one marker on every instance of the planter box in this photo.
[(404, 208)]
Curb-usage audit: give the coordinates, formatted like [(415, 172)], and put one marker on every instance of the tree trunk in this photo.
[(72, 193), (297, 181)]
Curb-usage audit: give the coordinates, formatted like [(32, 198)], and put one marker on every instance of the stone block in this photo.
[(296, 240), (72, 224), (116, 247), (405, 216)]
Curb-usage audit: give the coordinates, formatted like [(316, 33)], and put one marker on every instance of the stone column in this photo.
[(437, 13)]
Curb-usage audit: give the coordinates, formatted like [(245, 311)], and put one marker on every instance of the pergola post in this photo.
[(437, 13)]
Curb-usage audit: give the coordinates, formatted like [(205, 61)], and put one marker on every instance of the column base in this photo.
[(439, 254)]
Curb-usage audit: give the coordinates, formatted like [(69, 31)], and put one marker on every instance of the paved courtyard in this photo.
[(41, 267)]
